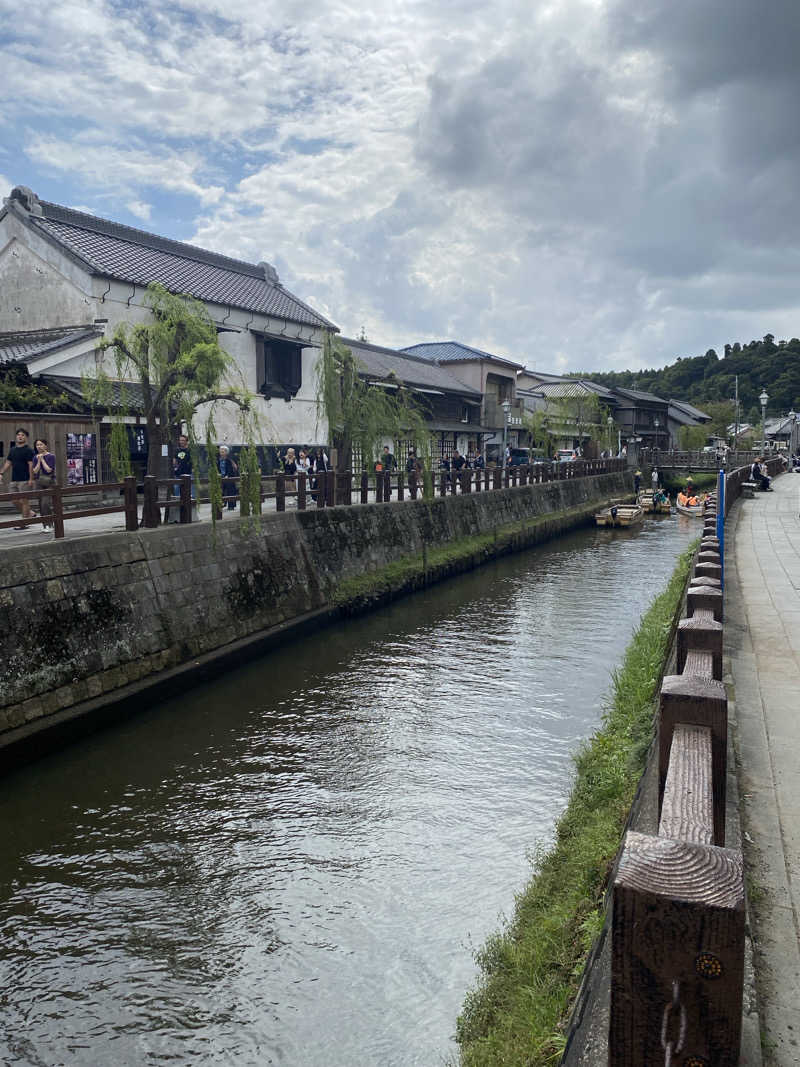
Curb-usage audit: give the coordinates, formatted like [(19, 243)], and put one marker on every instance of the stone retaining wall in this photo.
[(87, 619)]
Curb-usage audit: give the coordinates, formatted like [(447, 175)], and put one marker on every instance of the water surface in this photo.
[(294, 864)]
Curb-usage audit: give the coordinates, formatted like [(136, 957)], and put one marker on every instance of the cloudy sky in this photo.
[(594, 184)]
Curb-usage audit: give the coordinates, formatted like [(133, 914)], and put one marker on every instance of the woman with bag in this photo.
[(44, 476)]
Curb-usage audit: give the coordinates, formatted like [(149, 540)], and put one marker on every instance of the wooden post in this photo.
[(378, 487), (466, 480), (57, 504), (400, 486), (280, 492), (364, 487), (330, 489), (478, 480), (322, 488), (687, 811), (387, 486), (698, 701), (412, 484), (151, 513), (131, 509), (704, 597), (506, 477), (186, 497), (346, 493), (710, 570), (703, 635), (443, 484), (677, 967)]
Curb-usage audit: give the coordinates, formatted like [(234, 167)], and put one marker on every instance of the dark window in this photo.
[(279, 368)]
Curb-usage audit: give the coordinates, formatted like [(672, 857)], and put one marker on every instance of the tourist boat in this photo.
[(620, 515), (654, 503), (682, 505)]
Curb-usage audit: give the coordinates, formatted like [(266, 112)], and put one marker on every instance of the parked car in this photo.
[(519, 457), (565, 455)]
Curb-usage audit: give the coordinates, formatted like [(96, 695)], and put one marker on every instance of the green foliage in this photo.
[(581, 416), (361, 415), (177, 359), (709, 379), (19, 392), (531, 969), (692, 437)]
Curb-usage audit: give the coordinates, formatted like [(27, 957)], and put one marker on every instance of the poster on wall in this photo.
[(81, 459)]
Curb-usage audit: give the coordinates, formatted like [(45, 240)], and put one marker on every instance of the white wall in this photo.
[(41, 287)]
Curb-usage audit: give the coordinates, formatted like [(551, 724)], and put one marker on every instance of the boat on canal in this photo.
[(620, 515), (654, 503), (685, 508)]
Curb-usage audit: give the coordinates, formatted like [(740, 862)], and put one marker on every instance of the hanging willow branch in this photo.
[(362, 415)]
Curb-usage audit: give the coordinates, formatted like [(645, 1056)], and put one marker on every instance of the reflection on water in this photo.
[(294, 864)]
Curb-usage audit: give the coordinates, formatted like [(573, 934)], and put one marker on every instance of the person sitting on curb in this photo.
[(759, 475)]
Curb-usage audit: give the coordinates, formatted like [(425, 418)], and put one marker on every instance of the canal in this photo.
[(294, 864)]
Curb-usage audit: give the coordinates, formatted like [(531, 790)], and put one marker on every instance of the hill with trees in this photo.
[(710, 379)]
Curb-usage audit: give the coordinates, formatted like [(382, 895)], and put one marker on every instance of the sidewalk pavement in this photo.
[(762, 635)]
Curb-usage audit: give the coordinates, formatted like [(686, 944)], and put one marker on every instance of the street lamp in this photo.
[(506, 406), (763, 402), (610, 423), (792, 431), (656, 424)]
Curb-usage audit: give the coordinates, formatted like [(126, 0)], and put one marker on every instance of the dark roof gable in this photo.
[(112, 250)]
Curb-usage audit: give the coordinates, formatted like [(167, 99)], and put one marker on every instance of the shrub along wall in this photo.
[(90, 619)]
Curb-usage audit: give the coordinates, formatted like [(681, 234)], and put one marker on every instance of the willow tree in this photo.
[(362, 414), (180, 367)]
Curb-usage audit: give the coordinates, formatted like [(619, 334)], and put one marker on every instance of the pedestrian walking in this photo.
[(44, 477), (20, 460)]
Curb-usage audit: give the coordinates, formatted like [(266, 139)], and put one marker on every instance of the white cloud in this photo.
[(582, 184), (140, 209)]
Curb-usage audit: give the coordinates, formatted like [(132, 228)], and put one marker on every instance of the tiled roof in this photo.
[(636, 394), (115, 251), (569, 388), (678, 413), (695, 413), (127, 395), (412, 370), (454, 351), (25, 346)]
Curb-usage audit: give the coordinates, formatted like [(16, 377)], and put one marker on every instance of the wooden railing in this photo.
[(678, 918), (321, 489), (694, 460)]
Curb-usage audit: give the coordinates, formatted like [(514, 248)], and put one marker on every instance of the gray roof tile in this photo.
[(115, 251), (452, 351), (127, 395), (411, 369), (25, 346)]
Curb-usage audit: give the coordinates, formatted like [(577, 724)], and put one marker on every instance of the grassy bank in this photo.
[(362, 591), (704, 481), (531, 969)]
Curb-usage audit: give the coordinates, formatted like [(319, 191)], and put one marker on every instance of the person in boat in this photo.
[(654, 480), (637, 481)]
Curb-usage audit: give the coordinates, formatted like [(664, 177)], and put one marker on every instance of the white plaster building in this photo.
[(67, 279)]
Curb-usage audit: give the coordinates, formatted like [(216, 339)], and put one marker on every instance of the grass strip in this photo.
[(531, 969), (358, 590)]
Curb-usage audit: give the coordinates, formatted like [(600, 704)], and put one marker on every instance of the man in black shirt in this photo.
[(20, 460)]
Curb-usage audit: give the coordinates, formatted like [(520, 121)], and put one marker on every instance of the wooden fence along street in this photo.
[(322, 489), (678, 910)]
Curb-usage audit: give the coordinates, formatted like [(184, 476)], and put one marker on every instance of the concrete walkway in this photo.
[(762, 633)]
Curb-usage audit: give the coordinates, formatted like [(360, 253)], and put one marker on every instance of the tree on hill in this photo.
[(707, 379)]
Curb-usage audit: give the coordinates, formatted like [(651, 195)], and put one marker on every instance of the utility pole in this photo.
[(736, 416)]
